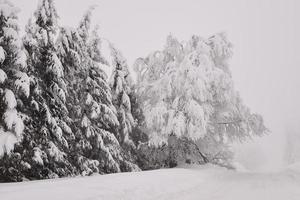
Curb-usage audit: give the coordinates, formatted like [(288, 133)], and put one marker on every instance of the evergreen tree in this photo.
[(48, 129), (120, 84), (72, 54), (14, 90), (93, 113), (138, 134)]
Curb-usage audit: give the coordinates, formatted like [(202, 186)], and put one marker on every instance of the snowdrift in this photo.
[(195, 182)]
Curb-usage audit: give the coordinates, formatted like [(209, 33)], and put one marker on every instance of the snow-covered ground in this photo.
[(205, 183)]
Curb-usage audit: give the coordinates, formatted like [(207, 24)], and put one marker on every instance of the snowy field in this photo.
[(205, 183)]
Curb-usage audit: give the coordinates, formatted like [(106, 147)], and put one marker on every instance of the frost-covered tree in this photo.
[(188, 97), (72, 55), (120, 83), (14, 82), (48, 64), (49, 132), (14, 91), (138, 134), (90, 101)]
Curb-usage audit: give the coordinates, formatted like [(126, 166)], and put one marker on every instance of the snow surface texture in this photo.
[(197, 182)]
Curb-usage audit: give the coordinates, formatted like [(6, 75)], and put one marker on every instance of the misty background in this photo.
[(265, 65)]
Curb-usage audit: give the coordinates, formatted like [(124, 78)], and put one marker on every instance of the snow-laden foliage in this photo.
[(46, 29), (12, 89), (22, 83), (43, 90), (85, 25), (3, 76), (187, 91), (120, 84), (7, 141), (2, 55), (9, 99), (89, 101), (61, 116)]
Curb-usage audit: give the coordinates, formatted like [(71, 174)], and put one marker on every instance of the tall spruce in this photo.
[(90, 101), (120, 82), (49, 127), (14, 91)]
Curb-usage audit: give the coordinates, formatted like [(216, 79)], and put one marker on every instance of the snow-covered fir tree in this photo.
[(49, 133), (90, 101), (13, 78), (14, 91), (120, 82), (189, 101)]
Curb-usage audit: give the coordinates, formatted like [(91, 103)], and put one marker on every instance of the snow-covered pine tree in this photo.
[(100, 93), (14, 90), (48, 128), (73, 54), (93, 113), (189, 101), (120, 82), (138, 134)]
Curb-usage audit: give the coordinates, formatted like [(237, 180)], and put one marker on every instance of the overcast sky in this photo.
[(265, 34)]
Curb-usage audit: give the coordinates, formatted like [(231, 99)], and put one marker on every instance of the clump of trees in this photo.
[(61, 115)]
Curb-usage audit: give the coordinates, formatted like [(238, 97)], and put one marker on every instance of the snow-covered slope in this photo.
[(205, 183)]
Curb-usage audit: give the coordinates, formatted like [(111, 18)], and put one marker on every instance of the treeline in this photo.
[(61, 115)]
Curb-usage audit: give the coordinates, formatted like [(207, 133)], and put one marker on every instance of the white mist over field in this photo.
[(265, 64)]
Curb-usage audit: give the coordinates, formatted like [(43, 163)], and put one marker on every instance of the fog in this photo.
[(265, 65)]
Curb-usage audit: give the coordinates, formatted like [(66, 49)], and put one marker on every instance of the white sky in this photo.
[(264, 33)]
